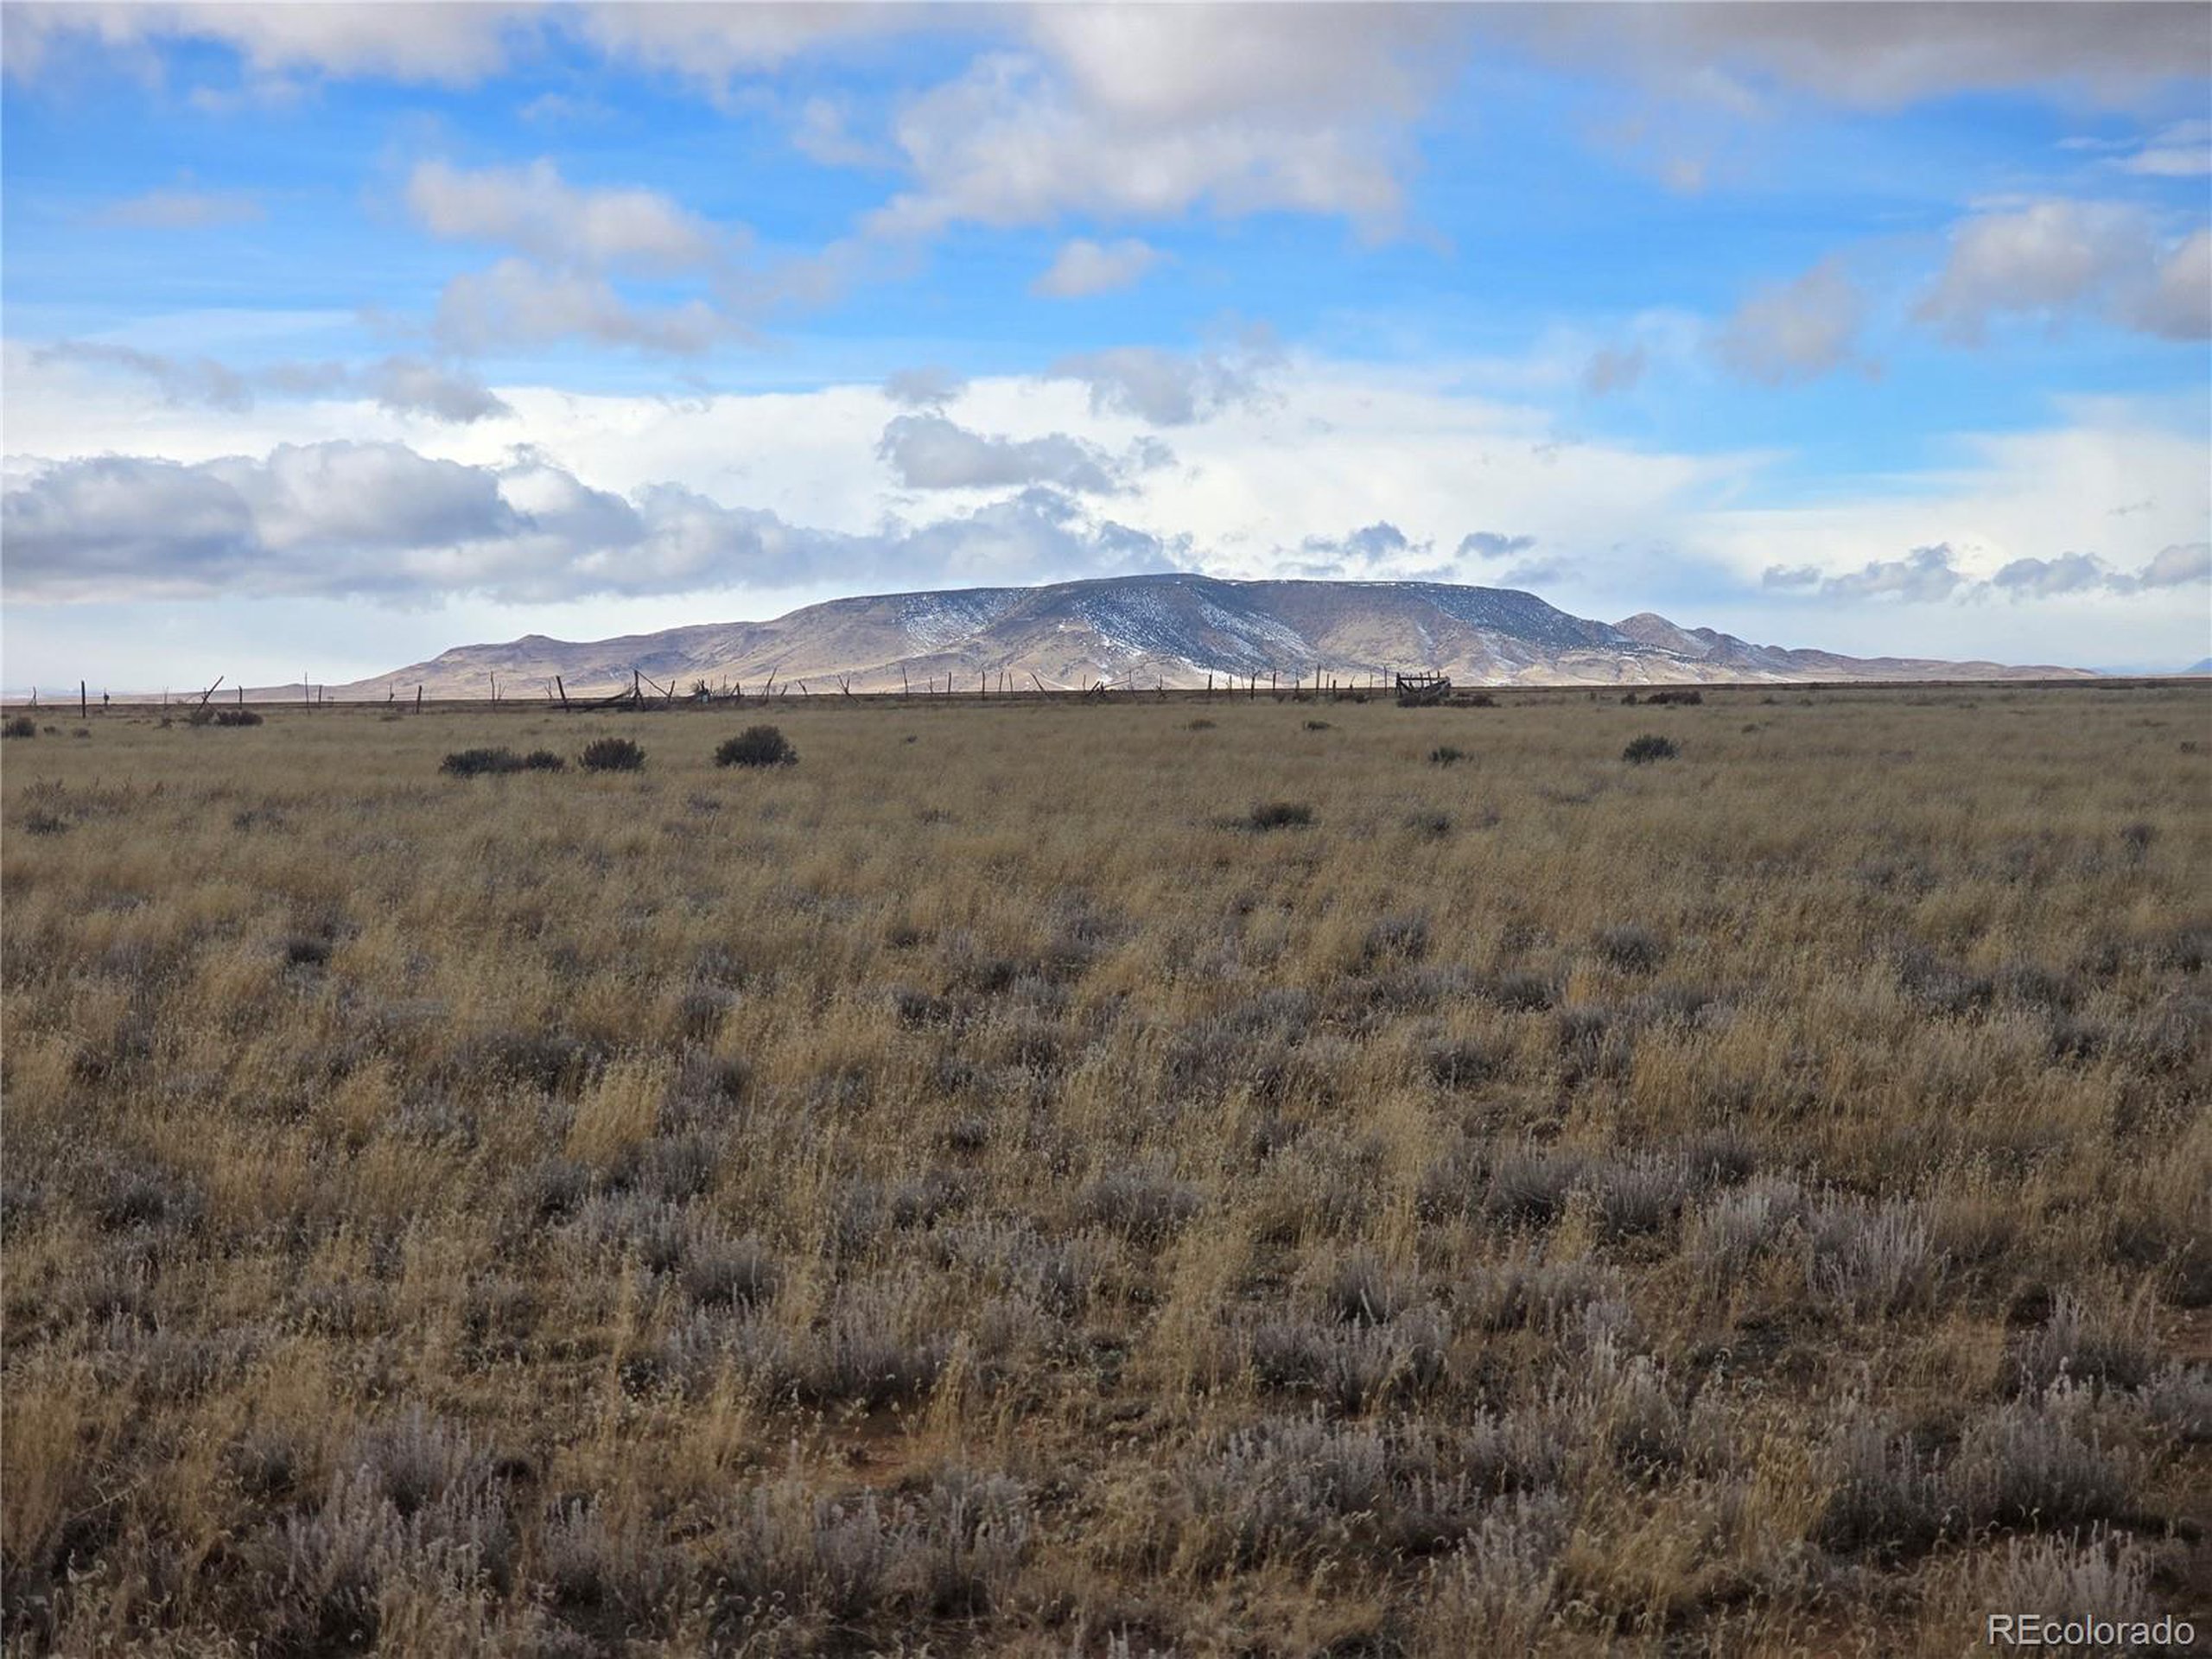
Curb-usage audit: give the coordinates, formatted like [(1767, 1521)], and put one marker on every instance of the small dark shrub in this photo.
[(19, 726), (1317, 725), (237, 717), (1444, 755), (542, 760), (1278, 815), (40, 821), (1201, 724), (478, 763), (1690, 698), (1480, 700), (1630, 948), (1651, 747), (1435, 825), (611, 754), (757, 746)]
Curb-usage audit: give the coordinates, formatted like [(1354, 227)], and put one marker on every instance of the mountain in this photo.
[(1176, 629)]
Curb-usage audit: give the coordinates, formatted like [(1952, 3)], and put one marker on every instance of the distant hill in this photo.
[(1174, 629)]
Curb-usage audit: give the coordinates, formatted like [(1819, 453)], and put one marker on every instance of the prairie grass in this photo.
[(970, 1192)]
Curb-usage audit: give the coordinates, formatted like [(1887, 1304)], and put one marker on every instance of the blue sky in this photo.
[(351, 333)]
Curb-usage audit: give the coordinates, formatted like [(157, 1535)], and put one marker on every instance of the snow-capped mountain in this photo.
[(1175, 630)]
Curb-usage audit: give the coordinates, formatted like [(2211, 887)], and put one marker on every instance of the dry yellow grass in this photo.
[(972, 1191)]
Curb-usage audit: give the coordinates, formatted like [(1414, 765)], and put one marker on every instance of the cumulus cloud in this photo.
[(1169, 387), (1842, 52), (2177, 566), (518, 303), (2177, 303), (2069, 573), (1083, 268), (929, 452), (1613, 369), (380, 521), (2182, 150), (1931, 574), (1789, 576), (1923, 575), (929, 386), (409, 385), (534, 209), (179, 379), (1791, 332), (403, 385), (1490, 545), (406, 39), (183, 209), (1239, 109), (2055, 258)]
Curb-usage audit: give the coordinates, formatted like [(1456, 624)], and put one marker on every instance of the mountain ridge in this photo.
[(1175, 629)]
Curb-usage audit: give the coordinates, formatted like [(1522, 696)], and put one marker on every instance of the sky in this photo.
[(332, 336)]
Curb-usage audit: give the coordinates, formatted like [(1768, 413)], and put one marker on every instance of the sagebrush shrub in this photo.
[(19, 726), (612, 754), (1279, 814), (1642, 751), (480, 763), (757, 746)]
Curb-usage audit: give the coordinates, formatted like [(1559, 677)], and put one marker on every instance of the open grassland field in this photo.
[(987, 1188)]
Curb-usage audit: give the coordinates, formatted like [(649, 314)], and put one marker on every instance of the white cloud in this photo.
[(380, 521), (183, 209), (2182, 150), (403, 385), (517, 302), (2177, 304), (1170, 388), (1924, 574), (1083, 268), (1881, 58), (404, 40), (1612, 369), (2057, 257), (926, 387), (1789, 332), (1236, 110), (929, 452), (534, 209), (2177, 566)]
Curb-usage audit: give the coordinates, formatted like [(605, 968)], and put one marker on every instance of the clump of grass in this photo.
[(1642, 751), (757, 746), (1201, 724), (1278, 815), (1431, 824), (612, 754), (1445, 755), (480, 763), (1317, 725), (493, 762), (19, 726), (237, 717)]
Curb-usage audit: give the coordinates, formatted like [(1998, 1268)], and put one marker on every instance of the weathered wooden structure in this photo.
[(1422, 690)]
